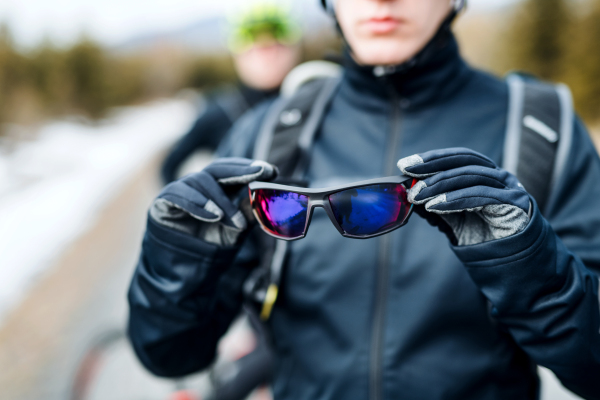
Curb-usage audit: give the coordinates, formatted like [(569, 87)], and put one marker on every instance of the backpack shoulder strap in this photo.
[(285, 140), (290, 126), (538, 134)]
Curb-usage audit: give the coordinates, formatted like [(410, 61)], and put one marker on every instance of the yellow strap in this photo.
[(270, 298)]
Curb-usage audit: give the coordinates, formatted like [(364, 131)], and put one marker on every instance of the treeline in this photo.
[(559, 40), (87, 79)]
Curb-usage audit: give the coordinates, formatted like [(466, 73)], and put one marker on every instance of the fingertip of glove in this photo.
[(260, 170), (414, 192), (408, 162), (213, 208), (269, 171), (176, 216), (429, 206)]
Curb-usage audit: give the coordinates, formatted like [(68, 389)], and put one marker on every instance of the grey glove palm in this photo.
[(467, 191), (203, 204)]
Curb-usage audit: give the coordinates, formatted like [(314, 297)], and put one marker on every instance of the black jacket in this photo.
[(405, 315), (221, 111)]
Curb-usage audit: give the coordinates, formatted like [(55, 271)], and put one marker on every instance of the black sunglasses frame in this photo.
[(320, 198)]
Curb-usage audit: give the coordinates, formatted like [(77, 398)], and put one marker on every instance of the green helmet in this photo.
[(262, 21)]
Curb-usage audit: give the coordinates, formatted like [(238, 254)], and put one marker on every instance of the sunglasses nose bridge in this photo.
[(317, 203)]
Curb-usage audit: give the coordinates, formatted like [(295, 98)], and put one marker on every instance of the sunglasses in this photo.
[(358, 210)]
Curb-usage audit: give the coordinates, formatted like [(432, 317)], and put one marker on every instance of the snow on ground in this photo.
[(52, 188)]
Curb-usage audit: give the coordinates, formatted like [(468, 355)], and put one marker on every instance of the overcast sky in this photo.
[(114, 21)]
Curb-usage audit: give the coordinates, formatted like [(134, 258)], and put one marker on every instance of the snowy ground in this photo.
[(52, 188)]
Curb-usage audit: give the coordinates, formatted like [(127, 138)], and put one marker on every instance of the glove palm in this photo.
[(468, 193), (203, 204)]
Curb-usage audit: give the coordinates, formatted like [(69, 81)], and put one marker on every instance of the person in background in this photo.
[(264, 41)]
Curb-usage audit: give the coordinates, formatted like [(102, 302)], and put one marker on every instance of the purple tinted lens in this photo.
[(280, 212), (371, 209)]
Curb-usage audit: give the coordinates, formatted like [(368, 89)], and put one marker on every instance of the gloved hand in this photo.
[(466, 195), (204, 205)]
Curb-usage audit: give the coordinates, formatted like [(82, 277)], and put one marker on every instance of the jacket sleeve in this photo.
[(542, 283), (182, 299), (185, 293), (206, 133)]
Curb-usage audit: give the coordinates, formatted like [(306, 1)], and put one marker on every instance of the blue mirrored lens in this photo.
[(369, 210), (280, 212)]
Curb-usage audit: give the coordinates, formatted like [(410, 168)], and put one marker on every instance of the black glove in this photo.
[(204, 204), (466, 195)]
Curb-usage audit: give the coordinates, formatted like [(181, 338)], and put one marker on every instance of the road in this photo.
[(42, 341)]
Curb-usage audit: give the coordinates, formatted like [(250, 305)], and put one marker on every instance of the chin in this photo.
[(383, 52)]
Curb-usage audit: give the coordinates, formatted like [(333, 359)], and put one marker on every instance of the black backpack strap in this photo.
[(290, 127), (538, 135), (285, 140)]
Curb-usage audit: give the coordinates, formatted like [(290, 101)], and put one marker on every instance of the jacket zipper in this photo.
[(383, 268)]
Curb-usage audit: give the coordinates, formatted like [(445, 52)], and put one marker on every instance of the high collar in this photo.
[(254, 96), (435, 74)]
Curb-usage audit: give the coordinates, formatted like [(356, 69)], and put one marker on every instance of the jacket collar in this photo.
[(435, 74), (254, 96)]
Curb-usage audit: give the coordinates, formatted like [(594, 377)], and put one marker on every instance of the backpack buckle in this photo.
[(270, 298)]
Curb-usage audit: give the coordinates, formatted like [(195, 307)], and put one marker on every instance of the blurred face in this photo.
[(389, 32), (264, 66)]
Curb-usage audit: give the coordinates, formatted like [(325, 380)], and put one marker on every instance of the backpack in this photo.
[(538, 135), (537, 143)]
